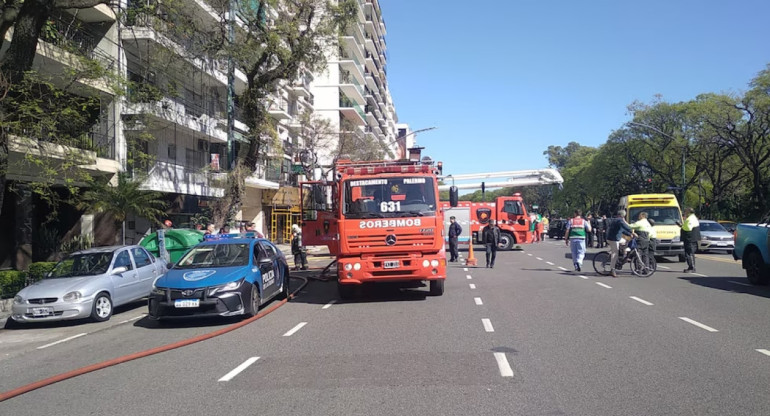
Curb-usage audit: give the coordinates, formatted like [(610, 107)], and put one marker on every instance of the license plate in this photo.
[(187, 303), (721, 244), (394, 264), (38, 312)]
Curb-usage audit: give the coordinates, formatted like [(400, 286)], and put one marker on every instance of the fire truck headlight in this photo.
[(357, 266), (434, 263), (348, 267), (425, 263)]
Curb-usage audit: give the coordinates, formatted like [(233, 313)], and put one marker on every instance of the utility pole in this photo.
[(230, 85)]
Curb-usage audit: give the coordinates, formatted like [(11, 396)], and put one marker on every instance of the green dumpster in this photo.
[(178, 241)]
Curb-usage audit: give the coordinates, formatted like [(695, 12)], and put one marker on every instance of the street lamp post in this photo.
[(684, 150)]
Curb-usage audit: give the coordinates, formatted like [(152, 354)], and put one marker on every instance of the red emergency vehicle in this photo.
[(381, 220), (509, 211)]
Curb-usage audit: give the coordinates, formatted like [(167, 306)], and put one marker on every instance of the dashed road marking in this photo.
[(538, 258), (487, 325), (739, 283), (529, 254), (133, 319), (465, 269), (549, 263), (503, 365), (478, 301), (698, 274), (763, 351), (664, 267), (62, 340), (698, 324), (472, 286), (329, 305), (295, 329), (237, 370), (468, 276), (640, 300), (584, 277), (603, 285), (562, 268)]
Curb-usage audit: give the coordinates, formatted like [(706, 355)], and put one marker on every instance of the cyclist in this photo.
[(618, 227)]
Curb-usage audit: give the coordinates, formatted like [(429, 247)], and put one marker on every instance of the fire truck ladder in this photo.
[(504, 179)]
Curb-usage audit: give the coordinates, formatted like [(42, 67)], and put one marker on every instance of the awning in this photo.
[(284, 196)]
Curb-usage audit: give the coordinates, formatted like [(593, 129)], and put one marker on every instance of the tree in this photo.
[(122, 200), (28, 100)]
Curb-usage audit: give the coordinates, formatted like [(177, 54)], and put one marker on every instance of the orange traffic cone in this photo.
[(471, 260)]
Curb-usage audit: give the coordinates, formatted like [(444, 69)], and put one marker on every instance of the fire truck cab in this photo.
[(509, 211), (381, 220)]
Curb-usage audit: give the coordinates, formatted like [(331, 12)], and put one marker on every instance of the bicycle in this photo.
[(642, 264)]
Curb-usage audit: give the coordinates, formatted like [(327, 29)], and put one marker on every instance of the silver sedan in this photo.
[(89, 283)]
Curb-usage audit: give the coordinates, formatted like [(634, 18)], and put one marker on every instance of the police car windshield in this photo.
[(215, 255), (661, 215), (394, 197)]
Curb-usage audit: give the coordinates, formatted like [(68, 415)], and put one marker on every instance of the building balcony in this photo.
[(352, 89), (352, 111), (279, 109), (301, 87), (170, 177)]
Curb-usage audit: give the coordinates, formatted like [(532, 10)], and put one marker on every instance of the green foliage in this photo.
[(11, 282), (38, 270), (125, 198), (76, 243)]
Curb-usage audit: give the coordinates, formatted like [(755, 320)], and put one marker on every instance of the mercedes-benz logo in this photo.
[(188, 292), (390, 239)]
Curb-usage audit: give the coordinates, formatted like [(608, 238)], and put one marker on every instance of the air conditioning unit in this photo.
[(203, 145)]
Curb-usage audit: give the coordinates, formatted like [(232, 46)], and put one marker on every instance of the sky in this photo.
[(503, 80)]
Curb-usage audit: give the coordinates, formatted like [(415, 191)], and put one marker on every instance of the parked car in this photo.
[(729, 225), (556, 228), (89, 283), (714, 237), (226, 275), (751, 247)]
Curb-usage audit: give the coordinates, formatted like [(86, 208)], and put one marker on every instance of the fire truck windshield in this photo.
[(389, 197)]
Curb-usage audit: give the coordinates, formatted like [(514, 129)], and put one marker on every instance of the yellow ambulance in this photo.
[(664, 210)]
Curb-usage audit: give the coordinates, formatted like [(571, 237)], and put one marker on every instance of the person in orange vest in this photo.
[(575, 236)]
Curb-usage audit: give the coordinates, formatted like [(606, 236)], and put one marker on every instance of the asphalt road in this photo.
[(529, 337)]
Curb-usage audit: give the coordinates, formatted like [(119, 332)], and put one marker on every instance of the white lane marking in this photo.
[(562, 268), (62, 340), (698, 274), (603, 285), (584, 277), (487, 325), (529, 254), (664, 267), (133, 319), (478, 301), (640, 300), (465, 269), (295, 329), (538, 258), (468, 276), (229, 376), (329, 305), (739, 283), (502, 364), (472, 286), (766, 352), (549, 263), (698, 324)]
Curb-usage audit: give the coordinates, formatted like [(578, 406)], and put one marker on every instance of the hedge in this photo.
[(11, 281)]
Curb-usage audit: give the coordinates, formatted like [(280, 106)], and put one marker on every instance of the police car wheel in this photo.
[(255, 301), (285, 290)]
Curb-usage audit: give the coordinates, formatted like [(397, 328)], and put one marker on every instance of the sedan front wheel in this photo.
[(102, 309)]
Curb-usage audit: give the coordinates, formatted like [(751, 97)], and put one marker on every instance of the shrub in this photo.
[(38, 270), (11, 281)]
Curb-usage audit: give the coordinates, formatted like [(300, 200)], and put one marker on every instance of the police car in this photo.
[(225, 275)]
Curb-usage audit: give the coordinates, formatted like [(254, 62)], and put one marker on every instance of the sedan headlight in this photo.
[(18, 300), (227, 287), (72, 296)]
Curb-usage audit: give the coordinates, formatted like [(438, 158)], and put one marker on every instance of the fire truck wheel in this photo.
[(437, 287), (346, 291), (506, 241)]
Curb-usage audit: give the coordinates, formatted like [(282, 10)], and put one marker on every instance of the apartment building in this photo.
[(352, 92)]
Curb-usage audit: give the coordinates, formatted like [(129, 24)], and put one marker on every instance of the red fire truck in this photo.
[(381, 220), (509, 211)]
